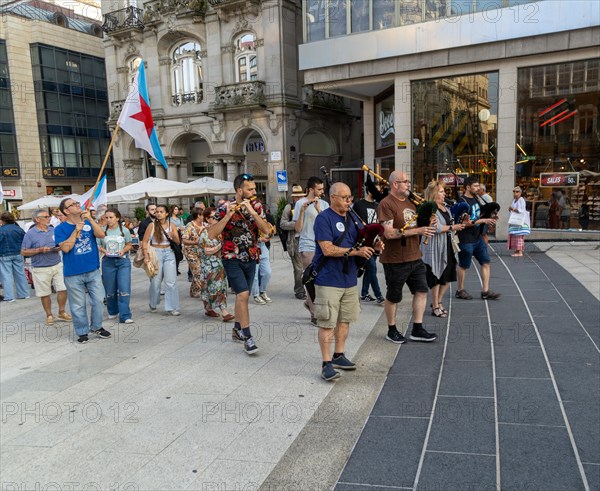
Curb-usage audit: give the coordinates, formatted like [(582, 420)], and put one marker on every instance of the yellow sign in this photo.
[(401, 145)]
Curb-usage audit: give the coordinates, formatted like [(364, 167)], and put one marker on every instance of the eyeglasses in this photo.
[(406, 181), (72, 204), (516, 191), (43, 216), (214, 217), (345, 198)]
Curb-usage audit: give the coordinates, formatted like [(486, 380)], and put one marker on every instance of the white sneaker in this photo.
[(259, 300), (265, 297), (113, 316), (129, 321), (174, 312)]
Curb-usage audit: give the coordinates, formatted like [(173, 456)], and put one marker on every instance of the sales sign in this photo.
[(450, 179), (559, 179)]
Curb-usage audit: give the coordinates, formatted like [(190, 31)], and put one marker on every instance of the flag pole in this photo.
[(112, 141)]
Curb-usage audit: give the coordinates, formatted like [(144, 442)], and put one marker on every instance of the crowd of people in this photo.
[(227, 246)]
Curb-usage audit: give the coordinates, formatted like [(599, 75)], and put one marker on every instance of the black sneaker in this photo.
[(250, 346), (395, 337), (380, 300), (422, 335), (328, 373), (237, 335), (102, 333), (489, 295), (367, 298), (313, 321), (343, 363), (82, 339), (301, 296)]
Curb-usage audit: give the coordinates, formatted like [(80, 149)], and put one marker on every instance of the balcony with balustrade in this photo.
[(227, 8), (241, 95), (155, 11), (315, 99), (123, 22)]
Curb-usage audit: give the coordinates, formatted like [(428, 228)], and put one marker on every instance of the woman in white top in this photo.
[(519, 225), (157, 236), (116, 266)]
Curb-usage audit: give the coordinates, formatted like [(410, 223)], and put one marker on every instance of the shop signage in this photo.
[(385, 122), (559, 179), (401, 145), (450, 179), (12, 193)]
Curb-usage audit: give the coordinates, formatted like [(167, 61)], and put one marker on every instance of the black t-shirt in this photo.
[(471, 234), (367, 210), (143, 226)]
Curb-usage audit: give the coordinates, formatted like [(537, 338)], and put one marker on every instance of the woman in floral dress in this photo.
[(191, 251), (214, 281)]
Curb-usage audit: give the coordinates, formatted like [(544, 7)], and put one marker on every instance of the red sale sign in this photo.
[(450, 179), (559, 179)]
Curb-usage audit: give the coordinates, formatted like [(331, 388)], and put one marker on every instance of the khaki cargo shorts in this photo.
[(333, 305)]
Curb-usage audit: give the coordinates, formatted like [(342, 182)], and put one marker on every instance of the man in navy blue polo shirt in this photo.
[(76, 237), (46, 265), (336, 303)]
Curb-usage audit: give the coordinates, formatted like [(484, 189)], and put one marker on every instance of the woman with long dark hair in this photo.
[(158, 236), (191, 250), (116, 266), (214, 282)]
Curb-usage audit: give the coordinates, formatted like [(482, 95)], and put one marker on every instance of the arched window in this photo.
[(186, 73), (132, 67), (246, 68)]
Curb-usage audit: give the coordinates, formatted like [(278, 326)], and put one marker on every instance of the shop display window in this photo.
[(557, 152)]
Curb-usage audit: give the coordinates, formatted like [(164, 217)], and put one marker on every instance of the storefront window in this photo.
[(455, 129), (558, 144)]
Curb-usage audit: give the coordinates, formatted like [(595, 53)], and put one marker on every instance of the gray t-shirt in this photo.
[(35, 238), (114, 242), (307, 234)]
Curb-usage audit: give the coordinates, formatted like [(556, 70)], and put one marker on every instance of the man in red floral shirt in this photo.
[(240, 220)]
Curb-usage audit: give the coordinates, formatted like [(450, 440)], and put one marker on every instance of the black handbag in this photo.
[(175, 247)]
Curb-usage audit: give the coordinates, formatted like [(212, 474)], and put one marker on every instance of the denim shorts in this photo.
[(240, 275), (413, 273), (478, 250)]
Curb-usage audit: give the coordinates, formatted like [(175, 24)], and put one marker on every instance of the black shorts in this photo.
[(413, 273)]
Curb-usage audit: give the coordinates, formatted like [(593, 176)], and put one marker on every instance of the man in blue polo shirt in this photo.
[(76, 237), (46, 266), (336, 302)]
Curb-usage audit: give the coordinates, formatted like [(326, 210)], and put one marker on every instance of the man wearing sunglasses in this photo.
[(46, 265), (240, 221), (401, 258), (76, 237)]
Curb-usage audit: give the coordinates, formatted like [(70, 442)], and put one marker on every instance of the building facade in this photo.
[(226, 94), (54, 100), (508, 90)]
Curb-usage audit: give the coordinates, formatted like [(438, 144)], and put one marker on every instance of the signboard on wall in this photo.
[(559, 179), (384, 114)]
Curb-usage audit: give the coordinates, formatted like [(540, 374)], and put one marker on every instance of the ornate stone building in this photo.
[(225, 91)]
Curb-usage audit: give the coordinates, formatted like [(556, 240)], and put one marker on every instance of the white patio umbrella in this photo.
[(151, 187), (210, 185), (45, 202)]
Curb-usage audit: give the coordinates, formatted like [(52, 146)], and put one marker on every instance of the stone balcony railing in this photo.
[(124, 19), (245, 94), (154, 11), (315, 99)]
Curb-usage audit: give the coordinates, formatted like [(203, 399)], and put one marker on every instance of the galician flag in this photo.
[(98, 201), (136, 118)]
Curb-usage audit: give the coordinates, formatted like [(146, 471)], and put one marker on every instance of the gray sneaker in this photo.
[(237, 335)]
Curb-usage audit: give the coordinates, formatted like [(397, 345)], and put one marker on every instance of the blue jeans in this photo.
[(168, 269), (240, 275), (116, 276), (76, 286), (370, 279), (12, 273), (262, 277)]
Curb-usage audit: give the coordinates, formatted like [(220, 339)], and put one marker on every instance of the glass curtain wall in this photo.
[(454, 129), (557, 152), (9, 158), (331, 18)]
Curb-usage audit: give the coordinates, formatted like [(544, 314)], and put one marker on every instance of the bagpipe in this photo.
[(371, 187), (368, 234)]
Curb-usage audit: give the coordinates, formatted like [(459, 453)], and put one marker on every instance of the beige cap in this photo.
[(298, 192)]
